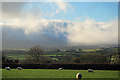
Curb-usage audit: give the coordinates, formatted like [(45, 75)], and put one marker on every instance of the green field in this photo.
[(50, 73), (22, 57)]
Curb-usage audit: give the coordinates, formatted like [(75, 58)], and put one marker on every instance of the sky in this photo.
[(26, 24), (100, 11)]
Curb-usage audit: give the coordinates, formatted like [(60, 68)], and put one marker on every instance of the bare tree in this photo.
[(36, 53)]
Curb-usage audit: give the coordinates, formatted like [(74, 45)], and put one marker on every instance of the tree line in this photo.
[(37, 56)]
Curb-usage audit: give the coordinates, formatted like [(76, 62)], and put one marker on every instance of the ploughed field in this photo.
[(54, 73)]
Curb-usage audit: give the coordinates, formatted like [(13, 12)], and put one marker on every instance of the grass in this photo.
[(50, 73), (54, 55), (22, 57), (89, 50), (16, 55)]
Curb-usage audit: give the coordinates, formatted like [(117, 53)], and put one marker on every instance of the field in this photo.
[(22, 57), (53, 73), (57, 55)]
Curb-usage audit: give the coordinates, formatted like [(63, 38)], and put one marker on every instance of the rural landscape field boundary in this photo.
[(65, 66), (59, 79)]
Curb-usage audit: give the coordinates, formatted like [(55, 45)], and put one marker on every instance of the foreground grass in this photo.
[(45, 73)]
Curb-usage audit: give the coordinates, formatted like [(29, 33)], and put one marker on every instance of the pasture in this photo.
[(22, 57), (54, 73)]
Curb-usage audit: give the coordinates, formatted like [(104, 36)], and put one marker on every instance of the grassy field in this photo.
[(50, 73), (88, 50), (22, 57)]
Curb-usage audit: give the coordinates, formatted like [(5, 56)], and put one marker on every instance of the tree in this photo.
[(72, 50), (66, 58), (80, 50), (37, 56), (36, 53), (3, 58), (77, 60), (93, 58)]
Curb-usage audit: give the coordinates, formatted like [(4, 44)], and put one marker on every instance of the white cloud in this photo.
[(62, 6), (87, 32), (29, 24), (91, 32)]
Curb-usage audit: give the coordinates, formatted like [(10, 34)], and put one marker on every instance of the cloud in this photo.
[(32, 28), (12, 9), (92, 33), (76, 33), (63, 6), (49, 36)]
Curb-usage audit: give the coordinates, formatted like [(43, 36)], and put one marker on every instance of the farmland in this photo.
[(60, 56), (103, 55), (22, 57), (43, 66), (54, 73)]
